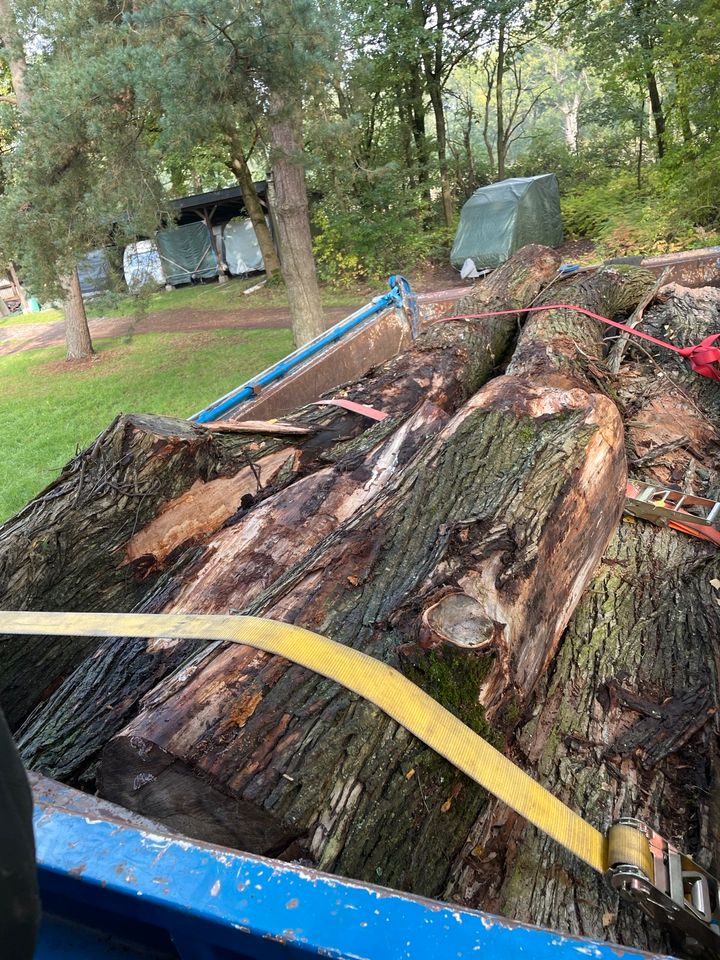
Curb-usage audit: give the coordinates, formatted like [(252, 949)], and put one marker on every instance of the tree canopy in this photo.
[(392, 111)]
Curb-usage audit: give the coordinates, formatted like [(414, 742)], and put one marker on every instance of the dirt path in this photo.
[(31, 336)]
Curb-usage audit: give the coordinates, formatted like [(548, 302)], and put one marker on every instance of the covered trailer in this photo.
[(187, 253), (499, 219), (242, 252), (95, 272), (142, 265)]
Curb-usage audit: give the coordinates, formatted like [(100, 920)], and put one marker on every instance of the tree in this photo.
[(626, 40), (255, 70), (79, 344), (123, 75), (419, 44)]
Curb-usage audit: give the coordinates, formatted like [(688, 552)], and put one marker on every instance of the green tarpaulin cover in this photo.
[(187, 253), (499, 219)]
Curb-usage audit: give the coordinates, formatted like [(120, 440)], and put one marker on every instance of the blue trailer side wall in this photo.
[(182, 898)]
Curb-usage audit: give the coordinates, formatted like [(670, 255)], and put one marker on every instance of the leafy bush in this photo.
[(624, 220), (370, 244)]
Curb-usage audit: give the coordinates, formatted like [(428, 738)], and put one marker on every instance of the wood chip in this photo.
[(258, 426)]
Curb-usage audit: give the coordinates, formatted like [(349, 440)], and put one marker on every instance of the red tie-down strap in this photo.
[(704, 357), (370, 412)]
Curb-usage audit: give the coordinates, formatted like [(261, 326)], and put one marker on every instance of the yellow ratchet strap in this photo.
[(397, 696)]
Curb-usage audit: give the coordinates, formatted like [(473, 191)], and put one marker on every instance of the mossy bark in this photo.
[(623, 723), (510, 506), (444, 366)]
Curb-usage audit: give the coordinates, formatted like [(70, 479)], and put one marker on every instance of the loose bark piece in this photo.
[(275, 427), (511, 505), (615, 354), (622, 722), (445, 366)]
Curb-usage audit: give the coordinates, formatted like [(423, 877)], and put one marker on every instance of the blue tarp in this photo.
[(95, 273)]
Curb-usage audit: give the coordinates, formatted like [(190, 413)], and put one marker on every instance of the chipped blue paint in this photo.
[(178, 898)]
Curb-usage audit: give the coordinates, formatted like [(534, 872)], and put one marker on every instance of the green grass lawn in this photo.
[(202, 296), (48, 407), (20, 319)]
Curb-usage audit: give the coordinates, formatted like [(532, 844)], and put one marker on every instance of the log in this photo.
[(67, 550), (444, 366), (503, 516), (66, 734), (623, 724)]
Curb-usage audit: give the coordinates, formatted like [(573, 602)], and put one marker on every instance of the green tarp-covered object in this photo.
[(499, 219), (187, 253)]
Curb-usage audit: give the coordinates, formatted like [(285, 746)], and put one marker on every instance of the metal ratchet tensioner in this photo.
[(660, 506), (666, 884)]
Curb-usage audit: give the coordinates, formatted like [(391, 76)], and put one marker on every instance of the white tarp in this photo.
[(142, 265), (242, 253)]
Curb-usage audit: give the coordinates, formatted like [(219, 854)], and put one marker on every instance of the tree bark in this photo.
[(416, 108), (657, 112), (499, 102), (77, 333), (240, 168), (445, 366), (441, 135), (19, 288), (78, 545), (621, 725), (526, 478), (10, 38), (293, 223)]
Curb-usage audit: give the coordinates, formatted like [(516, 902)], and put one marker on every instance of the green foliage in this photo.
[(126, 107), (627, 220), (358, 244), (130, 105)]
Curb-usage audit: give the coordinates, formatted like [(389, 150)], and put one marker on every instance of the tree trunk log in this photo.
[(79, 544), (444, 366), (77, 333), (463, 569), (622, 723)]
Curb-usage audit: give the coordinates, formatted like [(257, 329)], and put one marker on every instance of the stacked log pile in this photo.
[(473, 539)]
